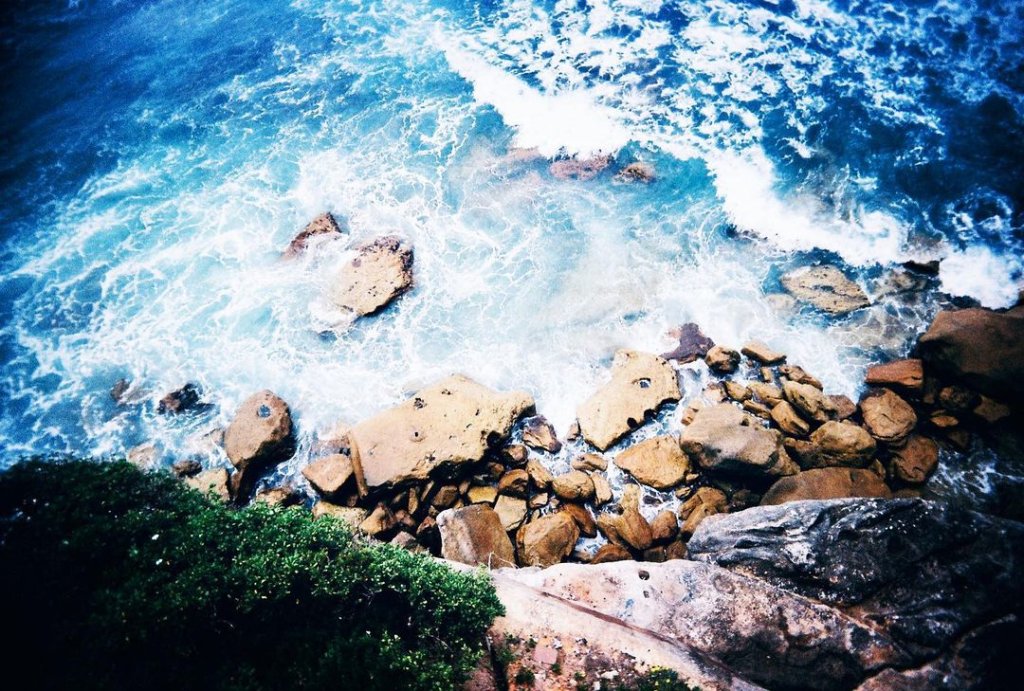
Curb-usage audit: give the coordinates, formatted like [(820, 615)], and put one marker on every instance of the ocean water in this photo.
[(158, 156)]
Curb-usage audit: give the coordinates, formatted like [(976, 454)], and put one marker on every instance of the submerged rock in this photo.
[(980, 348), (826, 483), (184, 400), (723, 438), (579, 169), (640, 383), (638, 171), (658, 462), (381, 271), (323, 226), (474, 535), (452, 422), (826, 288)]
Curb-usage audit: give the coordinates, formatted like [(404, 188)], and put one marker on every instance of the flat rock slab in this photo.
[(826, 288), (640, 383), (452, 422), (380, 272), (658, 462), (925, 573)]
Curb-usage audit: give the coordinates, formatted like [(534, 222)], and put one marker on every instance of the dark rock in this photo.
[(693, 344), (186, 468), (183, 400), (539, 434)]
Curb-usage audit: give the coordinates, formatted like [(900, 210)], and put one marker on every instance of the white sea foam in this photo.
[(995, 280)]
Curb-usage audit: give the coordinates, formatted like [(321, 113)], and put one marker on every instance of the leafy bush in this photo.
[(116, 579)]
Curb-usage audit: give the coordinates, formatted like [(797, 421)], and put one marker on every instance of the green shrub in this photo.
[(116, 579)]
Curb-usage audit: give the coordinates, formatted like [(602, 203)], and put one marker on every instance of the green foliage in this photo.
[(525, 677), (116, 579), (661, 679)]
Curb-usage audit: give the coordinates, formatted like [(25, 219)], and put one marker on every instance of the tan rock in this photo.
[(759, 409), (664, 527), (633, 528), (516, 454), (285, 495), (826, 483), (915, 460), (514, 482), (482, 495), (584, 519), (511, 511), (841, 444), (539, 474), (809, 401), (452, 422), (474, 535), (799, 375), (590, 461), (724, 439), (381, 271), (722, 360), (789, 421), (766, 393), (539, 434), (547, 540), (691, 410), (329, 474), (214, 480), (736, 391), (904, 374), (758, 351), (602, 489), (706, 501), (640, 383), (351, 515), (826, 288), (887, 416), (260, 433), (658, 462), (538, 500), (144, 456), (573, 486), (845, 408), (943, 421), (380, 520), (610, 552), (322, 228)]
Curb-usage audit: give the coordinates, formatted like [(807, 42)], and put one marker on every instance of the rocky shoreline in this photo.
[(462, 472)]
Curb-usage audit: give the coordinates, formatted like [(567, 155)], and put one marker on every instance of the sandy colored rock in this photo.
[(584, 519), (632, 526), (915, 460), (610, 552), (380, 520), (602, 489), (789, 421), (452, 422), (539, 474), (329, 474), (511, 511), (722, 360), (841, 444), (706, 501), (573, 486), (724, 439), (482, 495), (907, 375), (691, 410), (736, 391), (826, 288), (539, 434), (514, 482), (887, 416), (769, 394), (759, 352), (260, 435), (380, 272), (322, 228), (351, 515), (826, 483), (640, 383), (590, 461), (285, 495), (474, 535), (547, 540), (809, 401), (658, 462), (516, 454), (214, 480), (800, 376)]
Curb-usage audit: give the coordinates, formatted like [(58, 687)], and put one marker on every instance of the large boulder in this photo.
[(658, 462), (380, 272), (329, 474), (260, 435), (452, 422), (547, 540), (724, 439), (923, 573), (826, 483), (640, 383), (841, 444), (826, 288), (980, 348), (475, 535), (886, 416)]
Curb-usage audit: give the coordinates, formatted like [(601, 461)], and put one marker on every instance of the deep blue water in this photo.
[(157, 156)]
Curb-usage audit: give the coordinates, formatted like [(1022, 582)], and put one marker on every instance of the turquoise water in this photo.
[(158, 156)]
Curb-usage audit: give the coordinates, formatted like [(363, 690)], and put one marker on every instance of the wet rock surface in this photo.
[(826, 288), (826, 483), (723, 438), (322, 228), (380, 272)]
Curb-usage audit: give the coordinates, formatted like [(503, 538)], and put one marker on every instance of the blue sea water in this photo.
[(158, 155)]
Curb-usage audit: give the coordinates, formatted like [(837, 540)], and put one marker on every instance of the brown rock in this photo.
[(474, 535), (610, 552), (584, 519), (185, 468), (637, 171), (445, 497), (352, 516), (798, 374), (826, 483), (676, 550), (735, 390), (759, 409), (664, 528), (722, 360), (724, 439), (380, 272), (826, 288), (573, 486), (766, 393), (943, 420), (329, 474), (809, 401), (602, 490), (634, 529), (845, 408), (590, 461), (841, 444), (482, 495), (323, 227), (691, 410), (693, 344), (886, 416), (514, 483), (785, 416), (538, 501), (452, 422), (915, 460), (706, 501), (658, 462), (379, 521), (516, 454), (511, 511), (214, 480), (260, 435), (285, 495), (539, 474), (539, 434), (547, 540), (640, 383), (907, 375), (981, 349), (990, 411), (957, 399), (755, 350)]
